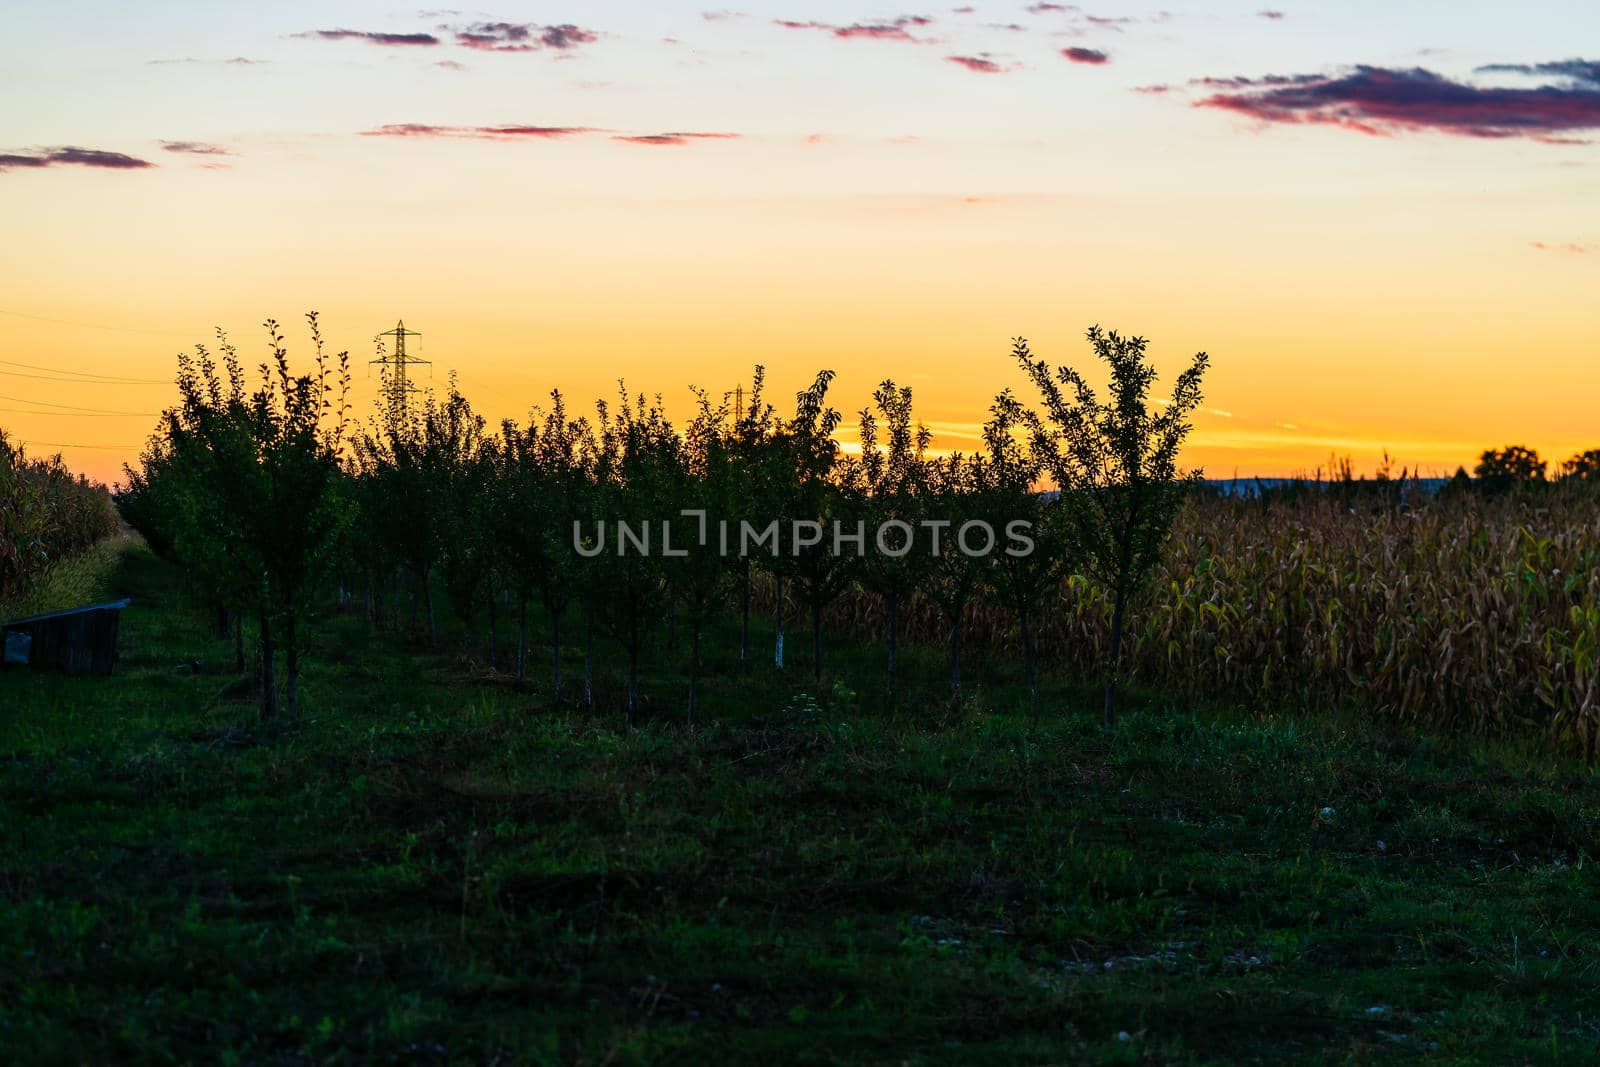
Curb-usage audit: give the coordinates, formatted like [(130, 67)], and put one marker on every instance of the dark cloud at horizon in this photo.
[(1382, 101), (73, 156)]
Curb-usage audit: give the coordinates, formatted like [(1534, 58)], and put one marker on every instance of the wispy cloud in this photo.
[(1575, 71), (544, 132), (235, 61), (1114, 23), (420, 130), (195, 148), (71, 156), (1074, 21), (1090, 56), (983, 63), (895, 30), (1270, 14), (669, 139), (401, 40), (1381, 101), (480, 133), (523, 37), (1571, 247)]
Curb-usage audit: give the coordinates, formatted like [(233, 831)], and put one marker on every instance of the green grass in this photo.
[(436, 866)]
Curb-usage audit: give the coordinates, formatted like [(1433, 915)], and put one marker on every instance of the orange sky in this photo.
[(1369, 269)]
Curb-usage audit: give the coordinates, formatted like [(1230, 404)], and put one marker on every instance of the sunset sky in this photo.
[(1382, 220)]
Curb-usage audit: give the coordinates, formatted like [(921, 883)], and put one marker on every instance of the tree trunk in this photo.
[(555, 653), (694, 667), (238, 642), (522, 635), (269, 673), (588, 663), (427, 600), (633, 680), (291, 649), (494, 630), (1110, 715), (955, 656), (1029, 666), (894, 640), (816, 636), (777, 622), (744, 617)]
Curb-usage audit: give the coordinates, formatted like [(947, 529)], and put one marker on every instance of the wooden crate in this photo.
[(77, 641)]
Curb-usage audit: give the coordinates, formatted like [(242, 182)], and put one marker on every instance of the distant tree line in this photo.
[(1514, 470), (1499, 469), (272, 497)]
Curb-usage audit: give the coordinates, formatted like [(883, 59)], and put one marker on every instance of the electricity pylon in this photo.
[(397, 387)]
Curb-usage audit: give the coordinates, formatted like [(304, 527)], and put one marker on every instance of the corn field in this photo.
[(1475, 616), (46, 515)]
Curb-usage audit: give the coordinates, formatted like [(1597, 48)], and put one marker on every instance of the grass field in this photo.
[(436, 866)]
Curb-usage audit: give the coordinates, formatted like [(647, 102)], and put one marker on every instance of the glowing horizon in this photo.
[(1378, 223)]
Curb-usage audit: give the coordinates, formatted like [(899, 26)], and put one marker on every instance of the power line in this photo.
[(83, 373), (68, 444), (85, 381), (73, 407), (77, 414), (93, 325)]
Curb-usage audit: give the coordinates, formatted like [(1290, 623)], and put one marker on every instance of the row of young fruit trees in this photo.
[(272, 495)]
